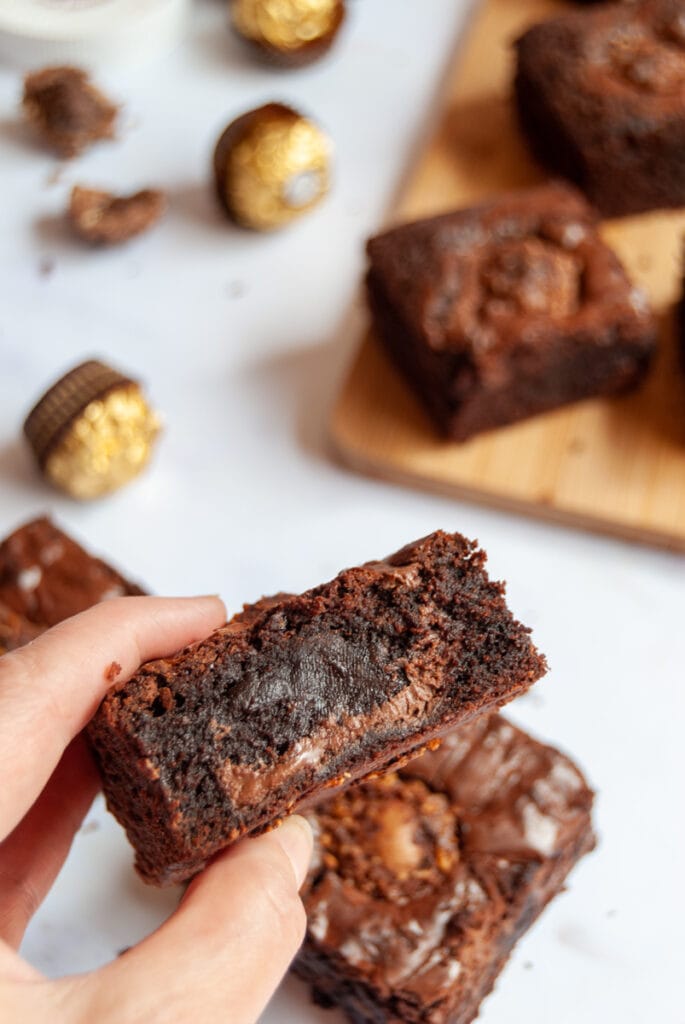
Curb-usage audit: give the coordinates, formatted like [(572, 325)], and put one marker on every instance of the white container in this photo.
[(90, 33)]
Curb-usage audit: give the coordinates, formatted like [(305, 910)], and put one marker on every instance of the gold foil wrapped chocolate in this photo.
[(290, 32), (271, 166), (92, 431)]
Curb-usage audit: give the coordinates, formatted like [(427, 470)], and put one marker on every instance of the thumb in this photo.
[(222, 954)]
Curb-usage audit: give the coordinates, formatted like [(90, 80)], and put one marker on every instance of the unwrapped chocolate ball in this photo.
[(92, 431), (289, 32), (271, 166)]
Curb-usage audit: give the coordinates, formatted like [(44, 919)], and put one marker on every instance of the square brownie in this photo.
[(601, 98), (508, 309), (46, 577), (423, 881), (303, 693)]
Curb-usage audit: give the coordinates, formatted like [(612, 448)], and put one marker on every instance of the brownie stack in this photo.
[(425, 873)]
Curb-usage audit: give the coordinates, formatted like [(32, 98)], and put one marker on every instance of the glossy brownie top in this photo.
[(415, 873)]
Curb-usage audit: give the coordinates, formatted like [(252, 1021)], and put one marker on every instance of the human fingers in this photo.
[(222, 954), (51, 687), (33, 854)]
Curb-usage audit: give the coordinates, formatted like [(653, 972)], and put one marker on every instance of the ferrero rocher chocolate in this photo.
[(290, 32), (93, 431), (271, 166)]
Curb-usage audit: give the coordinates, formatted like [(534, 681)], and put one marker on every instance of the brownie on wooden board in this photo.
[(303, 693), (46, 577), (601, 98), (507, 309), (423, 881)]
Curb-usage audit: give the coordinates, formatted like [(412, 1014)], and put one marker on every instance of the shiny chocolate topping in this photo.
[(414, 874)]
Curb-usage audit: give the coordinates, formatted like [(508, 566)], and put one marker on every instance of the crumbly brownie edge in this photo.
[(176, 822)]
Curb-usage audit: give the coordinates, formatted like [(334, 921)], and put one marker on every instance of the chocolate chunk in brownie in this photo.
[(423, 881), (508, 309), (46, 577), (67, 110), (601, 99), (105, 219), (303, 693)]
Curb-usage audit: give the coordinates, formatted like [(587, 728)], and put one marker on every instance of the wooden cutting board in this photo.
[(613, 465)]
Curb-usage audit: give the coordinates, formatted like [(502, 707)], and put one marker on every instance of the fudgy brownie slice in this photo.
[(46, 577), (508, 309), (423, 881), (303, 693), (601, 98)]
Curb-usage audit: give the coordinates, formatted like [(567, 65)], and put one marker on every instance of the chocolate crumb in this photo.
[(105, 219), (112, 672), (89, 827), (67, 110), (46, 267)]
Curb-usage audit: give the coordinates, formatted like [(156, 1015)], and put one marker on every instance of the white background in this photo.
[(243, 340)]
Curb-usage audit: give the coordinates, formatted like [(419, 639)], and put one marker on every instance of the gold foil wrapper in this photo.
[(293, 29), (93, 431), (272, 166)]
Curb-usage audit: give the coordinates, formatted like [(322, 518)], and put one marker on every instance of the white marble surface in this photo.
[(241, 339)]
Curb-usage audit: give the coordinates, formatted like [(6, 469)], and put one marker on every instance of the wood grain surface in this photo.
[(612, 465)]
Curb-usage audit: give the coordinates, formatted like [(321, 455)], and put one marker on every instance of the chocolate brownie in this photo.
[(46, 577), (303, 693), (423, 881), (508, 309), (601, 99)]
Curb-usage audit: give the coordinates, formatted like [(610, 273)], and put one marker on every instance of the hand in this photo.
[(222, 953)]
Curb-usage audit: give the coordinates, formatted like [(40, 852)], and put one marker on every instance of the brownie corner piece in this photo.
[(601, 99), (46, 576), (423, 881), (508, 309), (303, 693)]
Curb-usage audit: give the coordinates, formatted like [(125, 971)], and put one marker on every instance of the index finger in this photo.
[(52, 687)]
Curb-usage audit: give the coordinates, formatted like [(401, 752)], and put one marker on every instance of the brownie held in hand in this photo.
[(46, 577), (601, 98), (303, 693), (423, 881), (508, 309)]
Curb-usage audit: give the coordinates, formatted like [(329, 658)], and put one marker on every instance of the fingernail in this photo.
[(295, 839)]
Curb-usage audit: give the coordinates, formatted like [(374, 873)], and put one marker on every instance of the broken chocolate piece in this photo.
[(67, 109)]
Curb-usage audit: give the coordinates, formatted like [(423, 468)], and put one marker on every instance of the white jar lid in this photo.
[(35, 33)]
